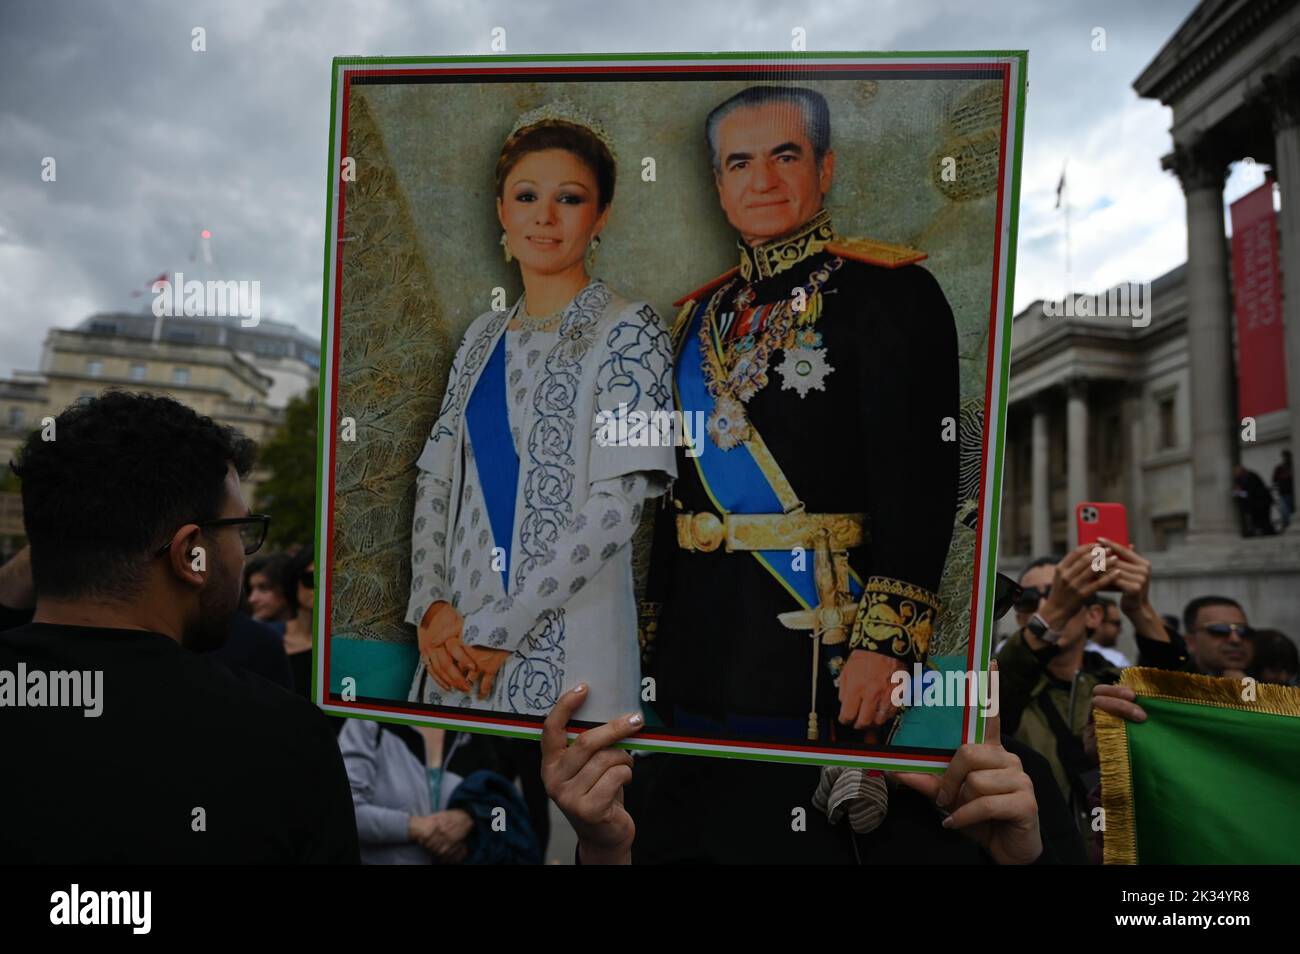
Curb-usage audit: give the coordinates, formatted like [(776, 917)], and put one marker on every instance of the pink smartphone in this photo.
[(1109, 520)]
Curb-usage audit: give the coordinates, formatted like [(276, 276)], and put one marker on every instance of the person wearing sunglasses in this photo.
[(1046, 674), (1219, 642), (138, 529)]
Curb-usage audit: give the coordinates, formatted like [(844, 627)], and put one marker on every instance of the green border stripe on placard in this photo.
[(321, 431), (760, 60), (1007, 314)]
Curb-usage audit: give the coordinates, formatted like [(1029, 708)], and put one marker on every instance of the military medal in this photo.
[(804, 370), (728, 425)]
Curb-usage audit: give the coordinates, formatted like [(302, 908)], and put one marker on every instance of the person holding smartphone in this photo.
[(1048, 675)]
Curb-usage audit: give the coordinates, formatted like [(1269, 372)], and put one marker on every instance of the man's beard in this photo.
[(218, 601)]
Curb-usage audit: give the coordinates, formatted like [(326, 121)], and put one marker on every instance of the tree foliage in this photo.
[(289, 492)]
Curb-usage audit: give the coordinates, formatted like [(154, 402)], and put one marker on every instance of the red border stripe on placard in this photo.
[(994, 304), (652, 736), (782, 67), (777, 67)]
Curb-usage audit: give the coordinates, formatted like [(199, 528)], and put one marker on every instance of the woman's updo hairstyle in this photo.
[(553, 134)]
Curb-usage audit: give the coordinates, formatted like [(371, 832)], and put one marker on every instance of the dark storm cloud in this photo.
[(154, 141)]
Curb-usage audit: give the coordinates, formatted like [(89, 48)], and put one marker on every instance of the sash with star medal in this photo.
[(761, 331)]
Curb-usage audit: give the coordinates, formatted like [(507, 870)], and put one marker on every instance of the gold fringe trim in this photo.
[(1211, 691), (1120, 842)]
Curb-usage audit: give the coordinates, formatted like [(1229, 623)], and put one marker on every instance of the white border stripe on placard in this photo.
[(982, 633)]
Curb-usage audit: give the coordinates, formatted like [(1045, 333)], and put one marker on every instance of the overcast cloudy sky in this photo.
[(155, 142)]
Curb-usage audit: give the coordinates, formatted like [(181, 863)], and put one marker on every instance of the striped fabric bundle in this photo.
[(861, 794)]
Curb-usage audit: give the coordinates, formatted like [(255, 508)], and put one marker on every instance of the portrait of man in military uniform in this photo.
[(799, 565)]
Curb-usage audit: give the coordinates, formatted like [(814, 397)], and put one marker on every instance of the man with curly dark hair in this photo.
[(156, 754)]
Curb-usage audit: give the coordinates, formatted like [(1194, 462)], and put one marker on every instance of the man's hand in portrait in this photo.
[(866, 689)]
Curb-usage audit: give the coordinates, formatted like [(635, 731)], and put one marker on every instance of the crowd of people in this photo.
[(204, 662), (226, 765), (140, 537), (1061, 661)]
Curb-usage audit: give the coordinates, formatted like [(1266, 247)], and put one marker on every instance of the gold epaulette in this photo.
[(679, 323), (705, 289), (875, 253)]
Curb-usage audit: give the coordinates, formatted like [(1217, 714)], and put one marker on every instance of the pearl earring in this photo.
[(506, 248)]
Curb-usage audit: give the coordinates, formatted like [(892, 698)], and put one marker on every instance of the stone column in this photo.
[(1283, 93), (1007, 531), (1201, 167), (1076, 436), (1040, 506), (1139, 533)]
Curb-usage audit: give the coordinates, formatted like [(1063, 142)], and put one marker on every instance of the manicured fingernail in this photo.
[(947, 822), (942, 798), (580, 687), (635, 719)]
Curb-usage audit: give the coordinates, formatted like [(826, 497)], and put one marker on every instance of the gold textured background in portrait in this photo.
[(393, 344)]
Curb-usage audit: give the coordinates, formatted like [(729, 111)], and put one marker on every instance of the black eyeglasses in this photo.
[(252, 530), (1220, 630), (1006, 594)]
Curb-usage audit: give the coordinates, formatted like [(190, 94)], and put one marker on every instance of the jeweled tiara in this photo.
[(565, 111)]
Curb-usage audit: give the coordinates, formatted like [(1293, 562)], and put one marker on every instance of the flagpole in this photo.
[(1063, 200), (1068, 276)]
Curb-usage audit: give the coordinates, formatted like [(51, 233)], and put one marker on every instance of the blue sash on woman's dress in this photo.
[(488, 425)]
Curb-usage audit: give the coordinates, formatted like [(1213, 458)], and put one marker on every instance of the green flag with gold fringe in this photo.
[(1211, 777)]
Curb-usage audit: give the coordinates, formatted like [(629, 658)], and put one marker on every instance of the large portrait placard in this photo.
[(679, 375)]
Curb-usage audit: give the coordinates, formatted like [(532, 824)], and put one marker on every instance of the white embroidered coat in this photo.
[(609, 352)]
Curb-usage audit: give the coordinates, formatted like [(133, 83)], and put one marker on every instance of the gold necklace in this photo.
[(528, 322)]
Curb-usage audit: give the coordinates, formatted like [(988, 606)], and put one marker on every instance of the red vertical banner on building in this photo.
[(1257, 294)]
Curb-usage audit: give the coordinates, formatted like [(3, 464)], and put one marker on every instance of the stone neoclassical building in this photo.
[(1102, 409)]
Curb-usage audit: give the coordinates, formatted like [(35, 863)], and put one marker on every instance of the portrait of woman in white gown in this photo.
[(521, 556)]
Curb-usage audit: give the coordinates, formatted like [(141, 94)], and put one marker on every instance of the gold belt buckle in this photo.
[(706, 531)]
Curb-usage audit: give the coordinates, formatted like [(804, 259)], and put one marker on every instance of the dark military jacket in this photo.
[(870, 440)]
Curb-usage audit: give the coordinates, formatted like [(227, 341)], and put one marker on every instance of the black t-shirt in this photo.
[(257, 648), (300, 672), (182, 743)]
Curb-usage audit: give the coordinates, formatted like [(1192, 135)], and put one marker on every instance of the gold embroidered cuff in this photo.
[(647, 629), (895, 618)]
